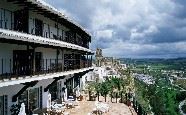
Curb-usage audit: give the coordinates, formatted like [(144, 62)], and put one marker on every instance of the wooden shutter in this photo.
[(41, 98), (5, 105)]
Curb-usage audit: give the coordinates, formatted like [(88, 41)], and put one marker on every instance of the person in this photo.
[(77, 93), (63, 94)]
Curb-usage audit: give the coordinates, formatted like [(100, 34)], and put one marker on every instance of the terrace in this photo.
[(86, 107)]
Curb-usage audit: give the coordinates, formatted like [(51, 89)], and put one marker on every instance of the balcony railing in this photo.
[(71, 64), (15, 35), (14, 70)]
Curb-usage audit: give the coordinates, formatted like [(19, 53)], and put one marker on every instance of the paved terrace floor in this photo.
[(86, 107)]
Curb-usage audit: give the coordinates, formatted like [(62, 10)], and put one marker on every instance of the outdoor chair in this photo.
[(70, 104), (76, 103), (101, 107), (58, 108)]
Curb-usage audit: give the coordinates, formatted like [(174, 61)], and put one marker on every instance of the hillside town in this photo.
[(46, 63), (50, 64)]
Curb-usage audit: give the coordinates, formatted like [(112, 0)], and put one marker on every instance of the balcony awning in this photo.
[(55, 80), (26, 86)]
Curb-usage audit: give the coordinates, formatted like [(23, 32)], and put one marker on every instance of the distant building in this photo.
[(145, 78), (108, 61), (105, 61), (99, 57), (123, 66)]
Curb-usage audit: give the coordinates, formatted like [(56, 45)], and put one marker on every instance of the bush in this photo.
[(184, 108), (15, 109), (180, 96)]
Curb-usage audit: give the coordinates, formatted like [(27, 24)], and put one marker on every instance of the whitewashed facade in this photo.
[(41, 51)]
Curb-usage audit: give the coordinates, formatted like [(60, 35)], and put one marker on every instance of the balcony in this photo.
[(71, 37), (25, 20), (10, 70), (15, 35)]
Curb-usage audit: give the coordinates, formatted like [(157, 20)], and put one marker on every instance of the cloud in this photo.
[(136, 28), (146, 50), (104, 34)]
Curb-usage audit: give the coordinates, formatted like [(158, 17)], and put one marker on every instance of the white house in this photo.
[(41, 51)]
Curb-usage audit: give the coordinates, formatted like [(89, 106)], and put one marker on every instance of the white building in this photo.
[(123, 66), (105, 71), (100, 73), (41, 51), (149, 80)]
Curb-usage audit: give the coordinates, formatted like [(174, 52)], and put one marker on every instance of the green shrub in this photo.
[(184, 108)]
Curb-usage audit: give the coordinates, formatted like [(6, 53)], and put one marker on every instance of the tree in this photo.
[(163, 101), (105, 88), (171, 102)]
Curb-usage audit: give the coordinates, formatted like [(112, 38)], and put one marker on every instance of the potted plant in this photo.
[(15, 109)]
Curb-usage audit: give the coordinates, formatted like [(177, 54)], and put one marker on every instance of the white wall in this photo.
[(10, 91), (47, 53), (48, 23), (89, 76), (44, 84), (8, 7), (62, 81), (101, 72), (6, 53)]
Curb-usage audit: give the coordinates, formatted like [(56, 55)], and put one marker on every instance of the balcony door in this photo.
[(22, 62), (38, 61), (69, 86), (53, 91), (38, 27), (21, 20)]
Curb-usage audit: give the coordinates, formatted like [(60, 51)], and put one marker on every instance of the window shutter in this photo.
[(41, 99), (5, 105)]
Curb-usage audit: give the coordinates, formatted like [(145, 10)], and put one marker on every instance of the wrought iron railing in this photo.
[(11, 69)]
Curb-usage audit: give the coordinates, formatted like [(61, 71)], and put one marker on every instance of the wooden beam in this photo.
[(55, 80), (27, 85)]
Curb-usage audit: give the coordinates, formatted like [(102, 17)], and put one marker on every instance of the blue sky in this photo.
[(131, 28)]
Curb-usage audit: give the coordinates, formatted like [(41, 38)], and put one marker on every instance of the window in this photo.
[(34, 98), (6, 19), (31, 98), (3, 105), (1, 18), (38, 27), (53, 91), (46, 30), (23, 98)]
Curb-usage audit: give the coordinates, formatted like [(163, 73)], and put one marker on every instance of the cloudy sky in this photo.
[(131, 28)]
